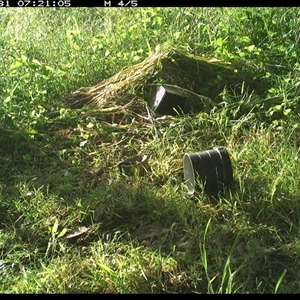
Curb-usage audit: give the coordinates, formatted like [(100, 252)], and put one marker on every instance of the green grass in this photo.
[(59, 165)]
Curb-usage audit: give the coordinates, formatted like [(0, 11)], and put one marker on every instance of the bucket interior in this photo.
[(189, 174)]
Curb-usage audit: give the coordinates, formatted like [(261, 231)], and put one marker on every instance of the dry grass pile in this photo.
[(202, 78)]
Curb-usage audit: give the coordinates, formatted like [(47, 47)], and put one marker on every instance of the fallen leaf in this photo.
[(148, 231), (79, 231)]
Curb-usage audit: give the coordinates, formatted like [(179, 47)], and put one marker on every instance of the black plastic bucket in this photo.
[(136, 165), (168, 100), (212, 168)]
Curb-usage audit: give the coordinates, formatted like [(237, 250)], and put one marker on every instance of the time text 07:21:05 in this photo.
[(35, 3)]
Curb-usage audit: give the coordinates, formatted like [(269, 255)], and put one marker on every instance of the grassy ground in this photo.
[(59, 173)]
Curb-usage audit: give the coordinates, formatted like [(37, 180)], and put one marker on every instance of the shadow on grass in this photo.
[(268, 234), (149, 215)]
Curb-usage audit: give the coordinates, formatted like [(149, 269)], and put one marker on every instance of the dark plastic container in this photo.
[(211, 168), (168, 100), (136, 165)]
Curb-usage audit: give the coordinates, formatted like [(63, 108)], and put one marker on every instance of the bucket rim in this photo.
[(134, 160), (189, 174)]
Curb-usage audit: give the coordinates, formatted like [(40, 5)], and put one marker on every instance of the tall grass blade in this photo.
[(279, 281)]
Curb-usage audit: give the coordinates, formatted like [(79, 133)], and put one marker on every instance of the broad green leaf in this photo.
[(245, 39), (62, 233), (219, 42), (35, 61), (24, 58), (49, 68), (136, 58), (250, 48), (7, 99), (277, 107), (16, 64), (176, 34)]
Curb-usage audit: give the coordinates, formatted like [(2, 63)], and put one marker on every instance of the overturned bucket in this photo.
[(168, 100), (136, 165), (212, 168)]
